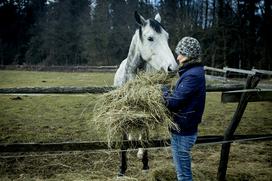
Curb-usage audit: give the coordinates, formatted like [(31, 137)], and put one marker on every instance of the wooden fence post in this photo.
[(252, 82), (123, 157)]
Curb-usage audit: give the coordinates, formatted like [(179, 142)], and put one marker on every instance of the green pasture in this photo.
[(47, 79), (59, 118)]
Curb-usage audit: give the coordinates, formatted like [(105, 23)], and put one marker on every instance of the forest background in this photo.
[(234, 33)]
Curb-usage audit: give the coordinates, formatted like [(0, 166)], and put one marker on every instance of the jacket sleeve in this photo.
[(186, 88)]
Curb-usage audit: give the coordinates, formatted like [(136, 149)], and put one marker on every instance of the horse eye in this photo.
[(150, 39)]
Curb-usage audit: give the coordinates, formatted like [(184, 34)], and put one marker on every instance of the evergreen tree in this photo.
[(119, 39), (233, 33), (100, 32), (169, 17), (58, 41)]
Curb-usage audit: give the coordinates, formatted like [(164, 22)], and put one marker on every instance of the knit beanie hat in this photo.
[(189, 47)]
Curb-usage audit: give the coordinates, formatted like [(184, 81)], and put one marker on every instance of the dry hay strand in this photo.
[(163, 173), (136, 106), (167, 172)]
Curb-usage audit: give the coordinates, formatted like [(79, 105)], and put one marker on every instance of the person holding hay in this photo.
[(186, 103)]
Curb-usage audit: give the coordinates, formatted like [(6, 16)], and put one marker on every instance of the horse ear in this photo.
[(139, 19), (158, 17)]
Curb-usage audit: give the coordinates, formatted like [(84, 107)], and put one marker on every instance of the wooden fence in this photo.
[(231, 93), (103, 145), (98, 90), (227, 71), (242, 97), (55, 68)]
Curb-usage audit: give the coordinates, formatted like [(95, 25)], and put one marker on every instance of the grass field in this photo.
[(57, 118), (44, 79)]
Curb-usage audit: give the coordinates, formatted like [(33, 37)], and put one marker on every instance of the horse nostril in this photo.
[(169, 69)]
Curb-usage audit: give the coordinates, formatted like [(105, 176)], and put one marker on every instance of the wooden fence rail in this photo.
[(98, 90), (267, 72), (55, 90), (60, 68), (227, 70), (254, 95), (103, 145), (241, 71), (214, 69)]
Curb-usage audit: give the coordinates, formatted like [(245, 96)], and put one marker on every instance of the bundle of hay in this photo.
[(136, 106)]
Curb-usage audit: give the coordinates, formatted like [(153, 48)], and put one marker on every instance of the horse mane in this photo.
[(134, 60), (156, 25)]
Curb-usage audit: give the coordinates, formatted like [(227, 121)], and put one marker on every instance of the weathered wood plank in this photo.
[(255, 95), (97, 90), (55, 90), (100, 145), (223, 87), (214, 69), (267, 72), (60, 68), (242, 71)]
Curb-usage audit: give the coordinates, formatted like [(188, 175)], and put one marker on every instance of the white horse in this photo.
[(149, 47), (149, 50)]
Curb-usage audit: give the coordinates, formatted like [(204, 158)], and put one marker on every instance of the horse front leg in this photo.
[(140, 152), (144, 153), (145, 161), (123, 157)]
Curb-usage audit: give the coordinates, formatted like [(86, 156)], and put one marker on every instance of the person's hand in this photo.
[(165, 90)]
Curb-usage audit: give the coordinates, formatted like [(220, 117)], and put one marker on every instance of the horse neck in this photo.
[(133, 58)]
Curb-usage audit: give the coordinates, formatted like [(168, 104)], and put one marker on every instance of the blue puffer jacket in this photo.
[(187, 101)]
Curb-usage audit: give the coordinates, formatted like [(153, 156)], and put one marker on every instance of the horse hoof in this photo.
[(145, 171), (140, 154), (120, 175)]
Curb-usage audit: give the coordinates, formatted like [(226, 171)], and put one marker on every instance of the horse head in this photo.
[(153, 45), (148, 50)]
